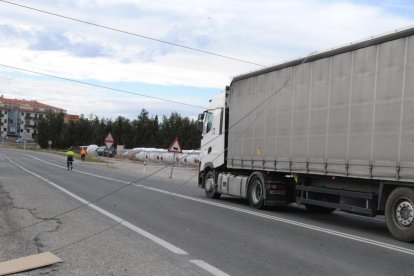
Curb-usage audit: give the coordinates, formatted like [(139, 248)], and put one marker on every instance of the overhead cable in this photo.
[(130, 33), (101, 86), (266, 101)]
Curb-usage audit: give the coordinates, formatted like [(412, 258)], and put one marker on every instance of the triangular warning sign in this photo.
[(109, 137), (109, 140), (175, 146)]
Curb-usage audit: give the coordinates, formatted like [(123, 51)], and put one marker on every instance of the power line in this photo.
[(101, 86), (131, 33), (104, 230), (266, 101), (87, 237)]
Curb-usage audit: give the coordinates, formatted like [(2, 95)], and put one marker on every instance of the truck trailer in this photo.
[(334, 130)]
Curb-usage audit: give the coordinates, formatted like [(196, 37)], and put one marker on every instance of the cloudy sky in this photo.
[(264, 32)]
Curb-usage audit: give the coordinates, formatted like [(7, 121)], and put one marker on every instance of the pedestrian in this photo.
[(83, 154), (69, 160)]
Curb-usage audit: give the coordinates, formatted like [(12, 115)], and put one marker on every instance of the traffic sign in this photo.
[(49, 142), (175, 146), (109, 141)]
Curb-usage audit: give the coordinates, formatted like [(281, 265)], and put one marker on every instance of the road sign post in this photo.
[(174, 147), (172, 167)]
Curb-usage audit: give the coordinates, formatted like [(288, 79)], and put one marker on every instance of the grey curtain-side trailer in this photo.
[(334, 130)]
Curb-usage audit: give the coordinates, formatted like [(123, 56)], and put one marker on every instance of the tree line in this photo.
[(144, 131)]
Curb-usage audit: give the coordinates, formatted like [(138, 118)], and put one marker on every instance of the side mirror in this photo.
[(200, 126), (201, 117)]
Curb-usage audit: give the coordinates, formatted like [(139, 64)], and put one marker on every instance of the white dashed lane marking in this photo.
[(200, 263)]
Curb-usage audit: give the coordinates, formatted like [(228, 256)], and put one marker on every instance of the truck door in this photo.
[(212, 143)]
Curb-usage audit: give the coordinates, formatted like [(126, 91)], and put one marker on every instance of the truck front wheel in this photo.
[(256, 192), (210, 185), (399, 214)]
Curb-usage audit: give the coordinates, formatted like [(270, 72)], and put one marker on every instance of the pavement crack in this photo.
[(5, 199), (7, 204)]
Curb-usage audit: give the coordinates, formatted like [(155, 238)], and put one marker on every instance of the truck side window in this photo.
[(208, 122)]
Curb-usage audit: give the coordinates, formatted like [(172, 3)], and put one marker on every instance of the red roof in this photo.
[(26, 103)]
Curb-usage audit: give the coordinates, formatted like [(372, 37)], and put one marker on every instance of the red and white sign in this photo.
[(175, 146), (109, 141)]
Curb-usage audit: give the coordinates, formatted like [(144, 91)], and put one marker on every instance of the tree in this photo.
[(144, 131), (51, 128), (122, 131)]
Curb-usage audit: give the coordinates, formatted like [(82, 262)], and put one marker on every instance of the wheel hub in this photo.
[(257, 193), (405, 213), (209, 184)]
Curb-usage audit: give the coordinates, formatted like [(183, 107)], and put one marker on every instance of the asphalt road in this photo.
[(226, 235)]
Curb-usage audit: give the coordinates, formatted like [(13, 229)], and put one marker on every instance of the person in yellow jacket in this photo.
[(69, 160)]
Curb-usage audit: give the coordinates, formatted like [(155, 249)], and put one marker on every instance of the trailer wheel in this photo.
[(399, 214), (256, 192), (210, 186), (319, 209)]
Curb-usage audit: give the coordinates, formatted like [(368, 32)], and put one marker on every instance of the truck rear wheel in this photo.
[(256, 192), (399, 214), (210, 185)]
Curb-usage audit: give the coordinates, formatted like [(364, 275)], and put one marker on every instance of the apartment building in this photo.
[(19, 118)]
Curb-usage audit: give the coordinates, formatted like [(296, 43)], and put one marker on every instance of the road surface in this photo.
[(214, 237)]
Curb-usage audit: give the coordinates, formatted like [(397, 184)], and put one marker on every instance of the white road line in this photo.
[(129, 225), (213, 270), (83, 172), (280, 219), (270, 217)]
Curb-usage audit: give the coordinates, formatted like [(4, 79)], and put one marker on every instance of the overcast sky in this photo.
[(265, 32)]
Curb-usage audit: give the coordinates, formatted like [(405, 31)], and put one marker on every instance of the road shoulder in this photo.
[(25, 199)]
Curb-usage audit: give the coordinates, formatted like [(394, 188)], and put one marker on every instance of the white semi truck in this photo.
[(334, 130)]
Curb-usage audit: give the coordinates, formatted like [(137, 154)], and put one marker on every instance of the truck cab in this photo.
[(212, 128)]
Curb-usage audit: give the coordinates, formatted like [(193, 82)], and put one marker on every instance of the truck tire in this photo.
[(399, 214), (319, 209), (256, 192), (210, 186)]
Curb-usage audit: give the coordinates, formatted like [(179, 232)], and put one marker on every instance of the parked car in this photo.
[(21, 141), (103, 151)]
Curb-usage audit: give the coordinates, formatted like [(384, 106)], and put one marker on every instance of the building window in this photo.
[(21, 130), (4, 129), (5, 112), (22, 113), (5, 120), (28, 130)]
